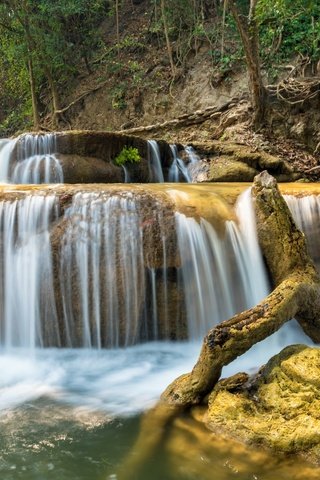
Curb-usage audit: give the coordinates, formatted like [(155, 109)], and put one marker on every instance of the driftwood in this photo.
[(187, 119), (296, 294)]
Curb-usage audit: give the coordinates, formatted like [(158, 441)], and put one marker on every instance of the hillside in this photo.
[(128, 80)]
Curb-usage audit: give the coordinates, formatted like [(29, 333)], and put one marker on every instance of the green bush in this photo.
[(127, 155)]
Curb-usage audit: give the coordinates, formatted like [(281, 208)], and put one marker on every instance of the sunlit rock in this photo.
[(278, 408)]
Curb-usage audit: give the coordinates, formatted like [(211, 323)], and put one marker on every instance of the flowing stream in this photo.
[(74, 412)]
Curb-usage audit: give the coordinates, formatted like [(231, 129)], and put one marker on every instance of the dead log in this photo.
[(296, 294)]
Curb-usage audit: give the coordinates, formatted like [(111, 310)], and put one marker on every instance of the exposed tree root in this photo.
[(296, 294)]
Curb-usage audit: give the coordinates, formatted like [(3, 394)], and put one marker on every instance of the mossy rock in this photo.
[(279, 408), (225, 169), (231, 162)]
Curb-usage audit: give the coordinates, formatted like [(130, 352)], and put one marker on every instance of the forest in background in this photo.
[(47, 47)]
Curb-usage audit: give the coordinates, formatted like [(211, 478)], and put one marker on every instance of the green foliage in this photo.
[(18, 119), (289, 28), (127, 155), (118, 97), (56, 36)]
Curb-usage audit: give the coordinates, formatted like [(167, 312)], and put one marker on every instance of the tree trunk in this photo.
[(248, 31), (55, 98), (166, 33), (117, 27), (296, 295), (35, 108)]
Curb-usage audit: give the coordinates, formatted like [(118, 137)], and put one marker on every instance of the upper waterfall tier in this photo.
[(111, 266), (91, 157)]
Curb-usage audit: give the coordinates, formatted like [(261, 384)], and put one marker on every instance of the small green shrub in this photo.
[(127, 155)]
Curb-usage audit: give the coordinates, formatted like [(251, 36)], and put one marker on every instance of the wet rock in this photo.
[(194, 453), (88, 156), (79, 169), (279, 408)]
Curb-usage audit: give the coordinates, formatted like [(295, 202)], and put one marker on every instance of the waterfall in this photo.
[(30, 159), (27, 299), (106, 294), (178, 170), (306, 214), (192, 156), (102, 271), (155, 161), (221, 275), (6, 148)]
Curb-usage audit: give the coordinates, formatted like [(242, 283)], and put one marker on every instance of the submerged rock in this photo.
[(279, 408)]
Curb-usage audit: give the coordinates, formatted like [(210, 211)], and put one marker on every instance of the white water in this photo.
[(221, 276), (178, 170), (6, 147), (27, 300), (306, 214), (107, 255), (35, 163), (117, 382), (155, 162), (121, 381), (192, 155)]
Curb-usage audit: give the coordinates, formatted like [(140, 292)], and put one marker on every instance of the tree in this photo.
[(52, 37), (248, 30)]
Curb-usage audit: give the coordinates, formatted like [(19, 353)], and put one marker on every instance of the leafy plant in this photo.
[(118, 99), (127, 155)]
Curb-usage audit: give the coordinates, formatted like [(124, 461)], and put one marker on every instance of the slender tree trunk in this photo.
[(35, 108), (223, 26), (166, 33), (55, 98), (248, 31), (117, 27), (30, 43)]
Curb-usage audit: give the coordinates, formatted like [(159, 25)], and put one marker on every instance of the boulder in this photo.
[(226, 169), (278, 408), (231, 162)]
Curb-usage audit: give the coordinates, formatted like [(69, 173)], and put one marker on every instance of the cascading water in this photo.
[(111, 293), (27, 303), (178, 170), (192, 156), (306, 213), (102, 272), (155, 162), (107, 294), (221, 276), (30, 159)]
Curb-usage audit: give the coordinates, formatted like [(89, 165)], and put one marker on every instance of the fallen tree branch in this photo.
[(187, 119)]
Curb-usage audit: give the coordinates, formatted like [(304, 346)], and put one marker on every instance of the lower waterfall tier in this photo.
[(116, 265)]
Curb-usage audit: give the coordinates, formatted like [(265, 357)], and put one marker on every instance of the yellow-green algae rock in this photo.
[(279, 408)]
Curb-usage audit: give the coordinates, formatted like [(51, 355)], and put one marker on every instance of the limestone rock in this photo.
[(78, 169), (279, 408), (225, 169), (230, 162)]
